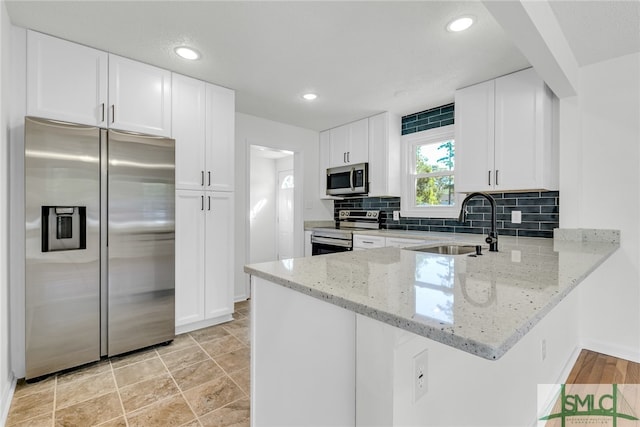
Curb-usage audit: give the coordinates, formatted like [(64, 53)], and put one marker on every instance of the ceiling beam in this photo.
[(534, 29)]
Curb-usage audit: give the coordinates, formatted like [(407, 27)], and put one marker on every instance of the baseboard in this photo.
[(561, 379), (182, 329), (622, 352), (568, 366), (5, 400)]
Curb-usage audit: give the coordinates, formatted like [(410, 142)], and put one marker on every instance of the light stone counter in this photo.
[(482, 305)]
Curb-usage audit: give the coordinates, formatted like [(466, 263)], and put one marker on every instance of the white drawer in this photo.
[(398, 242), (368, 242)]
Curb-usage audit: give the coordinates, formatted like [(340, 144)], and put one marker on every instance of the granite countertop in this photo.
[(482, 305)]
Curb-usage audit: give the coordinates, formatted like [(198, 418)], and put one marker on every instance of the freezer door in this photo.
[(141, 240), (62, 247)]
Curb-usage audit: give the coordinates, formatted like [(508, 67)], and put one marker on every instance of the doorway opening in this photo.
[(271, 204)]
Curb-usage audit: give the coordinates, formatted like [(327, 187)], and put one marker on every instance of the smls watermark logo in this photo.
[(613, 405)]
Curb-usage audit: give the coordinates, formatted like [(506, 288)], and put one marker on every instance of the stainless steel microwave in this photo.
[(351, 180)]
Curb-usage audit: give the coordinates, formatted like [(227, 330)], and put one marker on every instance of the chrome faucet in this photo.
[(492, 238)]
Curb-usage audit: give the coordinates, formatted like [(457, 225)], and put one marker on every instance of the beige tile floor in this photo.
[(201, 379)]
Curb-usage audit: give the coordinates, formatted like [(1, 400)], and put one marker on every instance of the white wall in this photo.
[(251, 130), (600, 188), (262, 205), (6, 376)]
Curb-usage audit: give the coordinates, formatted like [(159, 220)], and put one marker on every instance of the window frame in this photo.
[(409, 143)]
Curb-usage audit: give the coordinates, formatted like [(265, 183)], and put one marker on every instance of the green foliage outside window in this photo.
[(436, 189)]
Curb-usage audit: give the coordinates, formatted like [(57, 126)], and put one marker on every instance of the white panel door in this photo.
[(189, 129), (285, 214), (139, 97), (325, 161), (219, 248), (220, 139), (339, 145), (66, 81), (519, 135), (474, 138), (190, 256), (359, 142)]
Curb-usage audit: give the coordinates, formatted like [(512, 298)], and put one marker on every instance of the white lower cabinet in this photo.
[(367, 242), (398, 242), (204, 259)]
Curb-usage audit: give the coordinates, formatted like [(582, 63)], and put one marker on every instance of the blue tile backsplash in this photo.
[(540, 214), (429, 119)]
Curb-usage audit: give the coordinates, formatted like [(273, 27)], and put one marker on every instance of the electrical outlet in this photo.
[(396, 215), (419, 375), (543, 348), (516, 217)]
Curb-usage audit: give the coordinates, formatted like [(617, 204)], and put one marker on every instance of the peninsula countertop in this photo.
[(482, 305)]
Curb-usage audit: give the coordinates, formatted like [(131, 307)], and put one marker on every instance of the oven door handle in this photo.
[(332, 242)]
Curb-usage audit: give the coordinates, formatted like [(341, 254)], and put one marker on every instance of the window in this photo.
[(428, 171)]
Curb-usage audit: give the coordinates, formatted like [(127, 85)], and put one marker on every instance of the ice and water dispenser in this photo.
[(64, 228)]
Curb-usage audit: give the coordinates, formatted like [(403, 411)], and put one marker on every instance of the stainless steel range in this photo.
[(326, 240)]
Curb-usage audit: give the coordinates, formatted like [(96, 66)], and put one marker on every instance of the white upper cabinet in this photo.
[(203, 127), (139, 97), (325, 161), (220, 131), (384, 155), (66, 81), (189, 131), (349, 144), (344, 145), (504, 138)]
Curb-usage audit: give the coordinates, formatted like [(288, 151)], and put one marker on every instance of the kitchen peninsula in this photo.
[(402, 337)]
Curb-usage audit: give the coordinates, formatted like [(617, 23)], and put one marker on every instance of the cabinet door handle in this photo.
[(113, 113), (344, 157), (497, 171), (201, 203), (209, 201), (489, 183), (348, 155), (202, 178), (102, 120), (209, 173), (367, 241)]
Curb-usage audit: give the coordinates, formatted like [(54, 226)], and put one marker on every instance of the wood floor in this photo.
[(598, 368)]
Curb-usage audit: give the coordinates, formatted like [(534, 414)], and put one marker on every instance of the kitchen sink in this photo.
[(451, 249)]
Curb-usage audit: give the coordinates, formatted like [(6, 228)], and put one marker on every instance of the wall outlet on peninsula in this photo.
[(419, 375), (396, 215)]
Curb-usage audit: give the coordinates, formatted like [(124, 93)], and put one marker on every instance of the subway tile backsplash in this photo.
[(429, 119), (540, 214)]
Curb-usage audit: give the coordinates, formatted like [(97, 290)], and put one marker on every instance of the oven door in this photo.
[(327, 245)]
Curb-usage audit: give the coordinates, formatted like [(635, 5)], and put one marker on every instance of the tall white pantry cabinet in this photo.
[(203, 127)]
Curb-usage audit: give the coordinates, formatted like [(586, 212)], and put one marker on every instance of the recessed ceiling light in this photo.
[(309, 96), (460, 24), (187, 53)]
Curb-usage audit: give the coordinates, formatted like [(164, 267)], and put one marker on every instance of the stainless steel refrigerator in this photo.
[(100, 209)]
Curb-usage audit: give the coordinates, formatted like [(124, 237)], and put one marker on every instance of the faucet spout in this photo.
[(492, 238)]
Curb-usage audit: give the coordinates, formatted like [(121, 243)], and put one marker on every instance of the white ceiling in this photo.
[(361, 57)]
